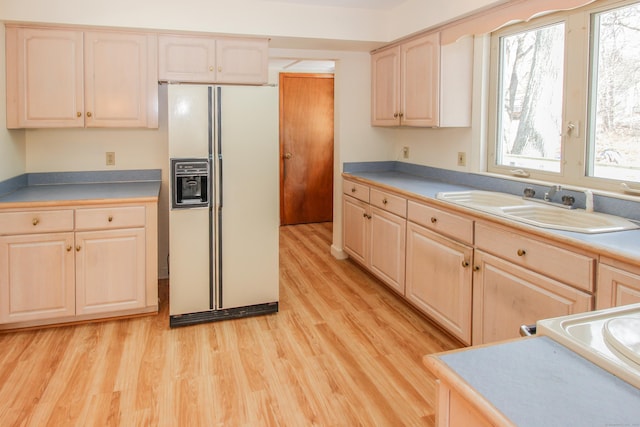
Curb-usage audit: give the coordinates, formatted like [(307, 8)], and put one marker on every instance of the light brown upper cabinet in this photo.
[(423, 84), (59, 77), (202, 59)]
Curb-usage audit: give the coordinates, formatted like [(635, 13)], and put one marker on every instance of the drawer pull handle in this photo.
[(69, 248), (465, 264), (521, 252), (434, 220), (35, 221), (476, 268), (78, 248), (384, 201), (110, 219), (353, 189)]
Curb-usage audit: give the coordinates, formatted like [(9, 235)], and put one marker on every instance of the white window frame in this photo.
[(575, 103)]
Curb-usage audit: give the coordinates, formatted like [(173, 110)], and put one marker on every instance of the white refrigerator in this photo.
[(223, 257)]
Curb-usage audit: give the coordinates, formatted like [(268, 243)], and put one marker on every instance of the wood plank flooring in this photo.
[(342, 351)]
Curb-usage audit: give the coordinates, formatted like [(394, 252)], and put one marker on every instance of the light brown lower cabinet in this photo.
[(506, 296), (77, 264), (376, 239), (438, 279), (453, 410), (37, 277), (618, 284)]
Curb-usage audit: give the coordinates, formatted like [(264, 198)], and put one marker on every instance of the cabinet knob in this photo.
[(476, 268), (434, 220), (521, 252), (89, 114), (110, 218), (35, 221), (395, 115), (79, 114), (69, 247), (211, 68), (465, 264), (353, 189), (219, 69), (384, 201), (78, 248), (401, 115), (288, 156)]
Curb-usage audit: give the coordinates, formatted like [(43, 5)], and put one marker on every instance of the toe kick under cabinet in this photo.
[(70, 264)]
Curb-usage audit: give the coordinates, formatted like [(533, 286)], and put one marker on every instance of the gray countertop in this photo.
[(624, 244), (47, 189), (538, 382)]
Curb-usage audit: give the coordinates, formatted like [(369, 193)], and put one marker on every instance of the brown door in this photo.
[(306, 148)]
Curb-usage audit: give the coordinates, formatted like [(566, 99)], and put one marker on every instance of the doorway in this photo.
[(306, 148)]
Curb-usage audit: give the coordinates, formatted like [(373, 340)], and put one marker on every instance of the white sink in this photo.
[(593, 335), (536, 213)]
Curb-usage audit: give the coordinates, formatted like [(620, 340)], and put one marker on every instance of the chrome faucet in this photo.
[(552, 191)]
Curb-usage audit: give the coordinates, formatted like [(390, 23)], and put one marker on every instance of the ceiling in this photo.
[(358, 4)]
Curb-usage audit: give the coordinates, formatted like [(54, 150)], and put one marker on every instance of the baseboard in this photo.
[(338, 253)]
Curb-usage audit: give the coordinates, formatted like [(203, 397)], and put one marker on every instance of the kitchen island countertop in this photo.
[(538, 382)]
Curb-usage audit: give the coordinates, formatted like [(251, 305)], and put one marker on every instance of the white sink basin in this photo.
[(536, 213), (593, 336)]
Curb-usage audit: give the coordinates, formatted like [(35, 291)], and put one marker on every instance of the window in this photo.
[(614, 116), (566, 97)]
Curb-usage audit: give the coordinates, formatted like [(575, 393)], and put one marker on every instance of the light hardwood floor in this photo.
[(342, 351)]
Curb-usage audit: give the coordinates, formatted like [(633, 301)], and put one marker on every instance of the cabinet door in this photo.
[(121, 80), (110, 270), (506, 296), (439, 279), (385, 87), (37, 278), (355, 229), (388, 235), (616, 287), (242, 61), (44, 78), (186, 59), (420, 81)]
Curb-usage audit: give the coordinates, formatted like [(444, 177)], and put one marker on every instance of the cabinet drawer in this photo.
[(36, 222), (106, 218), (353, 189), (561, 264), (394, 204), (443, 222)]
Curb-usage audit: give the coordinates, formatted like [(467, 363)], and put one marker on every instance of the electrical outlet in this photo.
[(405, 152), (111, 158), (462, 158)]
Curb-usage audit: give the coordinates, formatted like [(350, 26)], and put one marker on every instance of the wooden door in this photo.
[(306, 148)]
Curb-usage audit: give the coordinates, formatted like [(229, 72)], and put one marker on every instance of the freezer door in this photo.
[(188, 121), (248, 205)]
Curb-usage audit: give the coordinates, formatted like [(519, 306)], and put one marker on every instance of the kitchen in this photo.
[(356, 140)]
